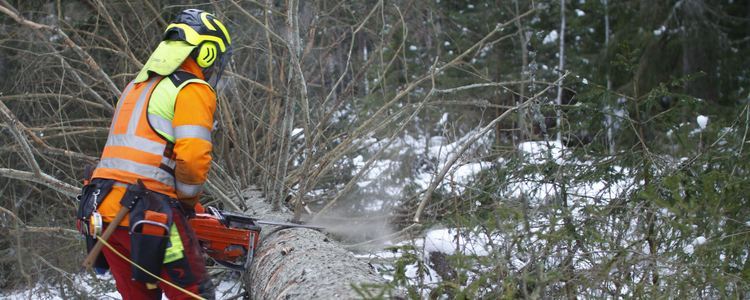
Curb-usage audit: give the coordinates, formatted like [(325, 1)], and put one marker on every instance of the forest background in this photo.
[(582, 148)]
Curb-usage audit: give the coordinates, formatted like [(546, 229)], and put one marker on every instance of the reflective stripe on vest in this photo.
[(134, 150), (162, 126), (117, 112), (142, 170), (162, 106), (133, 141), (192, 131), (189, 189), (160, 114)]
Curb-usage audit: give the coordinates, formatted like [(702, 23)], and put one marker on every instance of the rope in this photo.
[(147, 272)]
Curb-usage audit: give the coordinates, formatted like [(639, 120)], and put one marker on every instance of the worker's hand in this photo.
[(188, 211)]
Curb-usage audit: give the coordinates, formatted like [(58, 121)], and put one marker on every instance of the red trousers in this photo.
[(188, 272)]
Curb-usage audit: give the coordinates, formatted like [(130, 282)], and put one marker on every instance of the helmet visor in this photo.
[(224, 60)]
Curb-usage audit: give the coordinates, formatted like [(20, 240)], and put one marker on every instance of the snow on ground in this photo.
[(92, 286), (439, 151), (433, 153), (444, 240), (99, 287), (436, 151)]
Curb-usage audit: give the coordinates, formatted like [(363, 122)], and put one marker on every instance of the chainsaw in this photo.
[(225, 236)]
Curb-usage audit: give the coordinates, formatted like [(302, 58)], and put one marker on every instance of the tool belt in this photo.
[(150, 225), (90, 223)]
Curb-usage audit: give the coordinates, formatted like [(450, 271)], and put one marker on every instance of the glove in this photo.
[(189, 212)]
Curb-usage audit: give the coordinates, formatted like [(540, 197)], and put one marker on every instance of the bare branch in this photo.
[(83, 54), (12, 122), (251, 17), (42, 178), (449, 164)]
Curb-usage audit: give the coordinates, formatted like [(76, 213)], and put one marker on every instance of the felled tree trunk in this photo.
[(300, 263)]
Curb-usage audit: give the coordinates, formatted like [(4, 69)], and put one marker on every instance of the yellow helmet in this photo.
[(203, 30)]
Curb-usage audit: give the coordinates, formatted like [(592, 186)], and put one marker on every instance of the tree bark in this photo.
[(561, 67), (300, 263)]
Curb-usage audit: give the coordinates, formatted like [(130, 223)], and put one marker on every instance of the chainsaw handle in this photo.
[(149, 222), (94, 253)]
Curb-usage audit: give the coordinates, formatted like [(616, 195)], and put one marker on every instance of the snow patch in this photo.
[(660, 30), (444, 240), (541, 151), (702, 121), (690, 249), (551, 37)]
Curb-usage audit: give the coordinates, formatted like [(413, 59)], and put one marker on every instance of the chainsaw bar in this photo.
[(289, 225)]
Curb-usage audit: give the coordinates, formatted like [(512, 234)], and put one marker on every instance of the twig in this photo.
[(2, 209), (37, 175), (42, 178), (60, 96), (323, 167), (9, 119), (83, 54), (47, 230), (366, 167), (747, 128), (449, 164), (228, 179), (297, 79), (156, 13), (253, 82), (213, 189), (69, 276), (252, 18), (105, 13)]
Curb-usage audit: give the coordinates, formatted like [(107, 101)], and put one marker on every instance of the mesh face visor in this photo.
[(224, 60)]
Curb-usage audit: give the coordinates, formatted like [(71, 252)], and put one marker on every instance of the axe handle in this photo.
[(91, 258)]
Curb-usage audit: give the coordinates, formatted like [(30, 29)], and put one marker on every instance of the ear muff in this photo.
[(207, 55)]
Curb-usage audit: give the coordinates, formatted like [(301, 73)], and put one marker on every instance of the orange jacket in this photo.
[(189, 157)]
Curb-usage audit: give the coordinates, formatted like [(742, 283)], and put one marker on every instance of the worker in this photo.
[(160, 140)]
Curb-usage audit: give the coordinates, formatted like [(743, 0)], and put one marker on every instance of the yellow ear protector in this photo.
[(207, 55)]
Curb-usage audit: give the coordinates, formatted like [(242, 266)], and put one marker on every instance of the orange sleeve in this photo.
[(192, 123)]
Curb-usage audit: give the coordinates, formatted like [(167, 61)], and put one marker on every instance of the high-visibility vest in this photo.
[(139, 143)]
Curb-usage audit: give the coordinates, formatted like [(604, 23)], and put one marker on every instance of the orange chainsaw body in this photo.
[(224, 238)]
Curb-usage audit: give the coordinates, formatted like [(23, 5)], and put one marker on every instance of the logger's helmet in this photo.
[(194, 33), (209, 37)]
